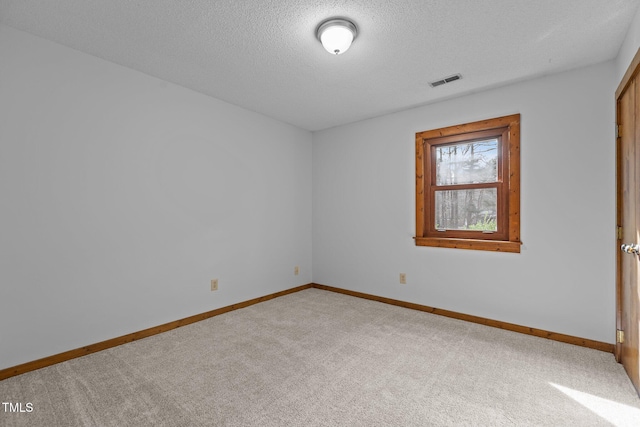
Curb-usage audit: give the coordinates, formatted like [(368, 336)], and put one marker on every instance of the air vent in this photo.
[(446, 80)]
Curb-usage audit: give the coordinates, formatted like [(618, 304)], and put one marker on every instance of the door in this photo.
[(628, 183)]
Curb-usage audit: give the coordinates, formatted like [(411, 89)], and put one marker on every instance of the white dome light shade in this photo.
[(336, 39), (336, 35)]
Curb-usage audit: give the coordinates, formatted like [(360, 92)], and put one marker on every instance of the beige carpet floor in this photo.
[(317, 358)]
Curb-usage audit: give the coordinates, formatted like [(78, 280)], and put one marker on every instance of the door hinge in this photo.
[(619, 233), (618, 131), (620, 336)]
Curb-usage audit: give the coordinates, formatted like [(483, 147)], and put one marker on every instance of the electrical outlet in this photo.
[(296, 270), (214, 284), (403, 278)]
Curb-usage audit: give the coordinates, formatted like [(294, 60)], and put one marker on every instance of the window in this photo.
[(468, 186)]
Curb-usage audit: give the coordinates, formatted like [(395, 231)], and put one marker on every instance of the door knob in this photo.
[(630, 249)]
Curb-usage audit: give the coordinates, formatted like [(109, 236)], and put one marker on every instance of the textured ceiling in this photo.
[(263, 54)]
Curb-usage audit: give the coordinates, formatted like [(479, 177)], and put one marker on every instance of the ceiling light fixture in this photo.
[(336, 35)]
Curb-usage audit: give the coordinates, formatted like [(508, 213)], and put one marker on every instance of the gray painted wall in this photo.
[(629, 47), (563, 281), (122, 196)]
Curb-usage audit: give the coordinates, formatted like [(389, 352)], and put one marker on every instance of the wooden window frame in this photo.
[(507, 237)]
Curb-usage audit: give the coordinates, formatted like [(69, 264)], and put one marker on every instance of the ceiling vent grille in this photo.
[(446, 80)]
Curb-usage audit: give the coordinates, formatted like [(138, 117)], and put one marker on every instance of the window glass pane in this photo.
[(467, 209), (468, 163)]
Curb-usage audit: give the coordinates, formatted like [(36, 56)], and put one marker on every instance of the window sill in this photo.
[(479, 245)]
